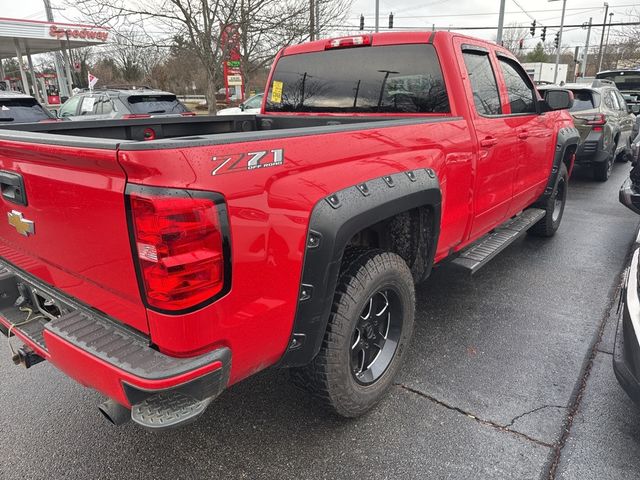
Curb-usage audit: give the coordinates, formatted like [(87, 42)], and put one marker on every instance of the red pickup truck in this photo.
[(162, 260)]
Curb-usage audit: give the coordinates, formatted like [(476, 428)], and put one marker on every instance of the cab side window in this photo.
[(483, 83), (522, 96)]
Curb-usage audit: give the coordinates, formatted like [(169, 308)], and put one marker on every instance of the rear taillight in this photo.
[(180, 244), (344, 42), (596, 119)]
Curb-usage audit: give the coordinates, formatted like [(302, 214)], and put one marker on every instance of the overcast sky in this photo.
[(443, 13)]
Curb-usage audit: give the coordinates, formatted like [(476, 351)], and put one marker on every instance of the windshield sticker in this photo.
[(87, 104), (276, 92), (247, 161)]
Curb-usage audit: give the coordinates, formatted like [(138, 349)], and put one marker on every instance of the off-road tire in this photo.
[(329, 377), (548, 225)]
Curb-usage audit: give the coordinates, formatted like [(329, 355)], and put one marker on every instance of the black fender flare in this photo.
[(334, 221), (567, 137)]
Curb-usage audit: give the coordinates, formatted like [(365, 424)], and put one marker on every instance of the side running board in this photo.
[(479, 253)]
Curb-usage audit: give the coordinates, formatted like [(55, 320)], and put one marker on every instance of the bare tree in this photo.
[(200, 22), (265, 27), (512, 35)]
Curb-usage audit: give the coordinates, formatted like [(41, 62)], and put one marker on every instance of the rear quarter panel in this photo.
[(269, 212)]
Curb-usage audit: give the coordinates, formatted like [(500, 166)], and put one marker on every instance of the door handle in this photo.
[(12, 187), (489, 142), (523, 134)]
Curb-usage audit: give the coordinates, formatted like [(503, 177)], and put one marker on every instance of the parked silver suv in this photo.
[(121, 102)]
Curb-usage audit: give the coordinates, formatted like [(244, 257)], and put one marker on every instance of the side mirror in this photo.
[(242, 107), (558, 99), (634, 108)]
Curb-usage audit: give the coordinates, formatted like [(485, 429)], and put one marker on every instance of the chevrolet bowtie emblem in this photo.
[(22, 225)]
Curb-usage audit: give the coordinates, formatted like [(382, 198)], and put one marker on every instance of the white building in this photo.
[(544, 72)]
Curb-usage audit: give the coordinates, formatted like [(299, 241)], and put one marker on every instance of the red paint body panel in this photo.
[(82, 243)]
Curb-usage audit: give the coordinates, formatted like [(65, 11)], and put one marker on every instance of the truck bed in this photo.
[(169, 132)]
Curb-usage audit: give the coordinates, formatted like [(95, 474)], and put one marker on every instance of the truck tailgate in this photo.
[(78, 241)]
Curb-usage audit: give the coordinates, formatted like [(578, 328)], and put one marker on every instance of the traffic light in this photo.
[(361, 22), (521, 43), (556, 41), (391, 20), (544, 34), (533, 28)]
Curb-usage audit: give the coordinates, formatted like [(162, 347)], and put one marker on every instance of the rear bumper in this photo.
[(626, 354), (101, 353), (591, 151)]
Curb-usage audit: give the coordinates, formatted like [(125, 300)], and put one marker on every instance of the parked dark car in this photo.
[(602, 117), (626, 354), (16, 107), (121, 102)]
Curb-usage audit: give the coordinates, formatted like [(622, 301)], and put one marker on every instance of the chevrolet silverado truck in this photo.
[(161, 260)]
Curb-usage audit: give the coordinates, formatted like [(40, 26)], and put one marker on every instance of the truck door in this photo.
[(534, 133), (495, 137)]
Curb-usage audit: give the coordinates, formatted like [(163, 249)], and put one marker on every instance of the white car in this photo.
[(250, 106)]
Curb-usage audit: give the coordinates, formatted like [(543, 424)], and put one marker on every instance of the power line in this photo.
[(479, 14)]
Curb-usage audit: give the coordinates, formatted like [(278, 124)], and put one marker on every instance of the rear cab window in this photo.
[(152, 104), (396, 79), (22, 110)]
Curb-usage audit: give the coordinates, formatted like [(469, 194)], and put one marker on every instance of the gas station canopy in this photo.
[(24, 38), (42, 37)]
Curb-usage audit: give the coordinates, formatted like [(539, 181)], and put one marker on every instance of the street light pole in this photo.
[(500, 23), (555, 73), (604, 22), (377, 15), (62, 84)]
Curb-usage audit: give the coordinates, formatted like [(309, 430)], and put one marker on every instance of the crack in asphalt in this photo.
[(497, 426), (522, 415)]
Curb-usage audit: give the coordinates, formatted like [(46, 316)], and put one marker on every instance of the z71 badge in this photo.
[(247, 161)]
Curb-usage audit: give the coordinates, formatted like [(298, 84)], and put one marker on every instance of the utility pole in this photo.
[(317, 19), (377, 16), (62, 83), (604, 23), (312, 25), (606, 43), (555, 73), (500, 23), (586, 50)]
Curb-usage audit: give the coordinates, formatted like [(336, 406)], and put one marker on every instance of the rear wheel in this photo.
[(625, 155), (602, 171), (553, 206), (369, 328)]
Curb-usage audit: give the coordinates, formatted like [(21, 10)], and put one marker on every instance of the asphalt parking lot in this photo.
[(509, 377)]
